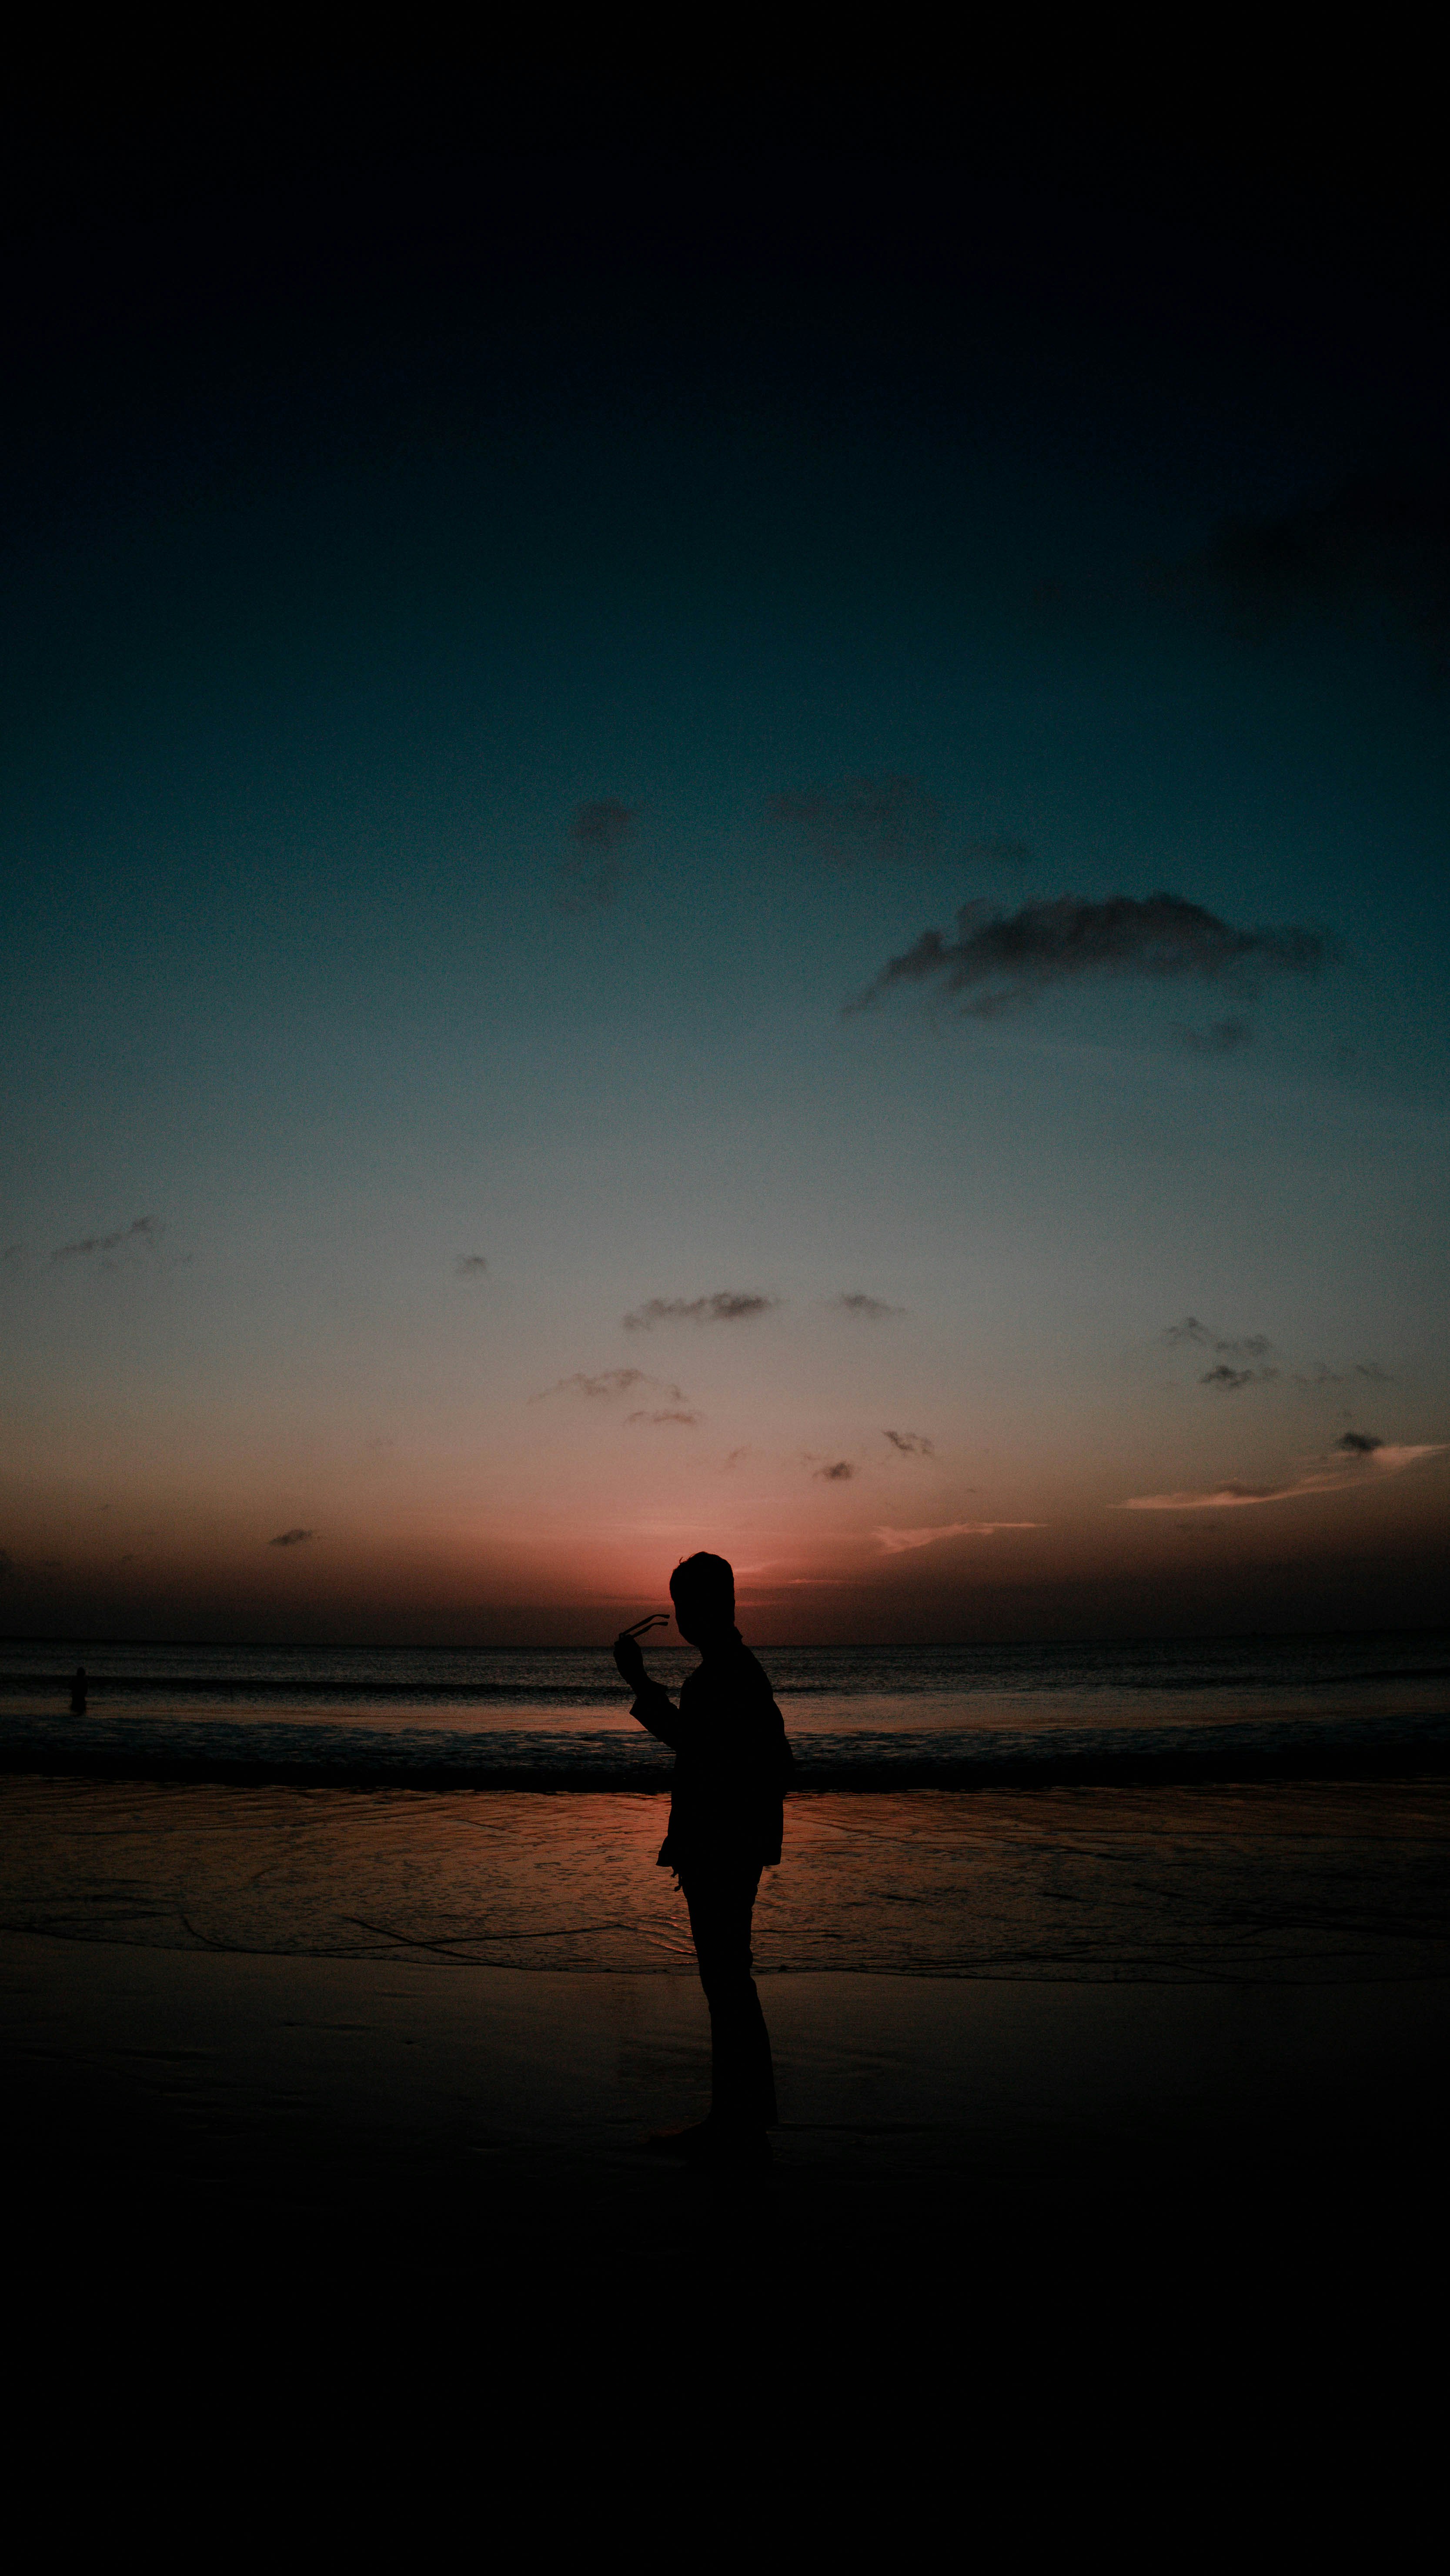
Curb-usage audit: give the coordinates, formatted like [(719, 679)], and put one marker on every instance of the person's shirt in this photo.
[(733, 1764)]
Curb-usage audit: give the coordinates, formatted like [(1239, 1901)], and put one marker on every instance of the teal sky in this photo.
[(485, 694)]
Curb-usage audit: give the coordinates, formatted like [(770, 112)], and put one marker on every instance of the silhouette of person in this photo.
[(732, 1768), (78, 1692)]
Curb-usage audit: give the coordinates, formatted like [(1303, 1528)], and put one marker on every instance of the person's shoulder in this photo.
[(751, 1671)]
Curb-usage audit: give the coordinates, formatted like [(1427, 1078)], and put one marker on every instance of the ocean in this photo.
[(862, 1718), (1261, 1809)]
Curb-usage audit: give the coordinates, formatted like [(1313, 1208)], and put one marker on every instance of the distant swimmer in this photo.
[(78, 1692), (732, 1769)]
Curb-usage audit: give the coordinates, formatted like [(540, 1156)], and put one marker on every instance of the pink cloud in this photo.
[(896, 1541), (1351, 1464)]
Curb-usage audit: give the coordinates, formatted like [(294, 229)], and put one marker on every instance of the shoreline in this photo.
[(1403, 1759), (1312, 1881)]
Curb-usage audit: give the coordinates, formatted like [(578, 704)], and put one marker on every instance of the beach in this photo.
[(185, 2086), (199, 2132)]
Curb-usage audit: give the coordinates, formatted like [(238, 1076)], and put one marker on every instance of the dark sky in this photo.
[(814, 717)]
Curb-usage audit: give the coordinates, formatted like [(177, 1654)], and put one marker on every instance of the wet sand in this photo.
[(434, 2133), (262, 2089)]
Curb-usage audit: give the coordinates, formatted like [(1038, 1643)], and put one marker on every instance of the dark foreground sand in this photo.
[(435, 2134)]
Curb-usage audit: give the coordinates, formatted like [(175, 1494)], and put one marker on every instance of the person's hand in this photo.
[(629, 1661)]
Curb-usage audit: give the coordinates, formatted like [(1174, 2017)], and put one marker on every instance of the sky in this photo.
[(721, 832)]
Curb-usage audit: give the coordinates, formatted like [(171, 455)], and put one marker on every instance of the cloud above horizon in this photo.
[(1357, 1458), (874, 1310), (470, 1265), (1379, 543), (590, 877), (1234, 1346), (291, 1538), (1225, 1037), (1003, 962), (895, 1542), (677, 1413), (1226, 1379), (839, 1472), (607, 1383), (886, 822), (724, 1306), (144, 1231), (864, 820), (912, 1444)]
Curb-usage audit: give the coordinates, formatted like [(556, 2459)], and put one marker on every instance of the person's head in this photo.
[(702, 1589)]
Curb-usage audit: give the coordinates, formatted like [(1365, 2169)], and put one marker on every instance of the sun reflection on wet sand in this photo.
[(1311, 1882)]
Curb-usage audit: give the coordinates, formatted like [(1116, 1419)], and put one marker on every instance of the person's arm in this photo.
[(652, 1703)]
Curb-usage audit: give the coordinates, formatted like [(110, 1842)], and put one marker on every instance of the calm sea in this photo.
[(1252, 1810), (864, 1717)]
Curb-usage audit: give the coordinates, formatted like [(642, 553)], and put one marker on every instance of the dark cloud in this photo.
[(866, 820), (726, 1306), (885, 822), (669, 1414), (145, 1231), (1003, 961), (912, 1444), (873, 1309), (608, 1383), (838, 1474), (1243, 1346), (1256, 1347), (1322, 1376), (601, 828), (1358, 1444), (1380, 545), (291, 1538), (470, 1265), (1225, 1037), (1190, 1330), (590, 877)]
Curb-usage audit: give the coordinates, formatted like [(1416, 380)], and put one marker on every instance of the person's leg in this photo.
[(742, 2075)]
